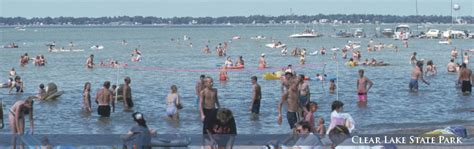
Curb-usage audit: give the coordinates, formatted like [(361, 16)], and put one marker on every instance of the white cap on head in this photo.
[(263, 54)]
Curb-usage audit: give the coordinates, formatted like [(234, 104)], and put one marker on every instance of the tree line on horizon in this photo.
[(258, 19)]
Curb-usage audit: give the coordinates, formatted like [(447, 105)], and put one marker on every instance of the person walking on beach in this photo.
[(127, 94), (466, 79), (363, 86), (90, 61), (208, 102), (416, 74), (290, 97), (256, 97), (17, 115), (104, 99)]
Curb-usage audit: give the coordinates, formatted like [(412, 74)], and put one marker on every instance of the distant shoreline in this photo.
[(236, 20), (204, 25)]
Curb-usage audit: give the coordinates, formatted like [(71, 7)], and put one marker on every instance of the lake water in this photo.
[(168, 62)]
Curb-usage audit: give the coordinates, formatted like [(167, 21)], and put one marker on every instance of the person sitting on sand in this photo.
[(452, 67)]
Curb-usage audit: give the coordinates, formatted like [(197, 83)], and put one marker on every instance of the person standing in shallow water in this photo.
[(465, 78), (90, 61), (18, 113), (363, 86), (86, 94), (208, 102), (256, 98), (173, 101), (104, 99), (416, 74), (199, 87), (127, 94)]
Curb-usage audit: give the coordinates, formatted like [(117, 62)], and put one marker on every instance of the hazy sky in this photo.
[(213, 8)]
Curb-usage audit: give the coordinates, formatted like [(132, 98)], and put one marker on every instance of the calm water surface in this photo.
[(390, 103)]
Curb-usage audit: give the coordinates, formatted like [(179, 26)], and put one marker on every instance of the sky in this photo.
[(217, 8)]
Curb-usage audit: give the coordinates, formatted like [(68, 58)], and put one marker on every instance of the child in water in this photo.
[(332, 86), (41, 92), (320, 129)]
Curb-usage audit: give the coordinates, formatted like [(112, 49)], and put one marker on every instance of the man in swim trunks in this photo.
[(208, 102), (90, 61), (256, 97), (452, 66), (290, 97), (199, 87), (363, 86), (104, 98), (417, 73), (466, 78), (304, 93), (127, 94)]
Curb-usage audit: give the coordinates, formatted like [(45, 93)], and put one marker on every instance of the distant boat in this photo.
[(454, 34), (275, 45), (97, 47), (343, 34), (359, 33), (10, 46), (388, 32), (433, 33), (402, 32), (20, 28), (306, 34), (236, 38)]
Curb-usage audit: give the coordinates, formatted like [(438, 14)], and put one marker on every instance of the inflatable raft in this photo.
[(273, 75)]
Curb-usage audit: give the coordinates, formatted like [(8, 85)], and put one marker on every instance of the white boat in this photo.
[(359, 33), (303, 35), (314, 53), (20, 28), (402, 32), (388, 32), (354, 46), (275, 45), (97, 47), (454, 34), (433, 33), (444, 42)]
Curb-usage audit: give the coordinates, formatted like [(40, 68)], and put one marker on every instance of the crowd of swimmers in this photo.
[(295, 93)]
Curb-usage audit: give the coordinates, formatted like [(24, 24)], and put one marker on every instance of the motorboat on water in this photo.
[(275, 45), (433, 33), (388, 32), (454, 34), (306, 34), (402, 32), (20, 28), (343, 34), (359, 33)]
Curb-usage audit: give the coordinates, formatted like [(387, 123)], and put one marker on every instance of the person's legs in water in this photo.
[(466, 87), (413, 85), (292, 118), (362, 97)]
